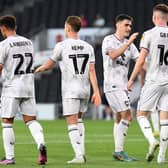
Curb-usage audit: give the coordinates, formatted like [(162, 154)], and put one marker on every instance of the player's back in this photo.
[(157, 68), (76, 56), (17, 73)]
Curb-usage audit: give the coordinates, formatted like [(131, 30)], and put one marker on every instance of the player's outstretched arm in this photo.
[(46, 66), (138, 66), (114, 53), (96, 99)]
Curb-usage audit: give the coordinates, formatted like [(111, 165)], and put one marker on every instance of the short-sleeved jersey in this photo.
[(116, 71), (75, 57), (16, 56), (155, 41)]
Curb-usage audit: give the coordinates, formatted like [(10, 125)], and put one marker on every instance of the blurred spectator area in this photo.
[(34, 15), (48, 87)]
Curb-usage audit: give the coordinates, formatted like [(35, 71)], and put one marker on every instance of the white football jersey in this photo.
[(116, 71), (16, 56), (75, 56), (155, 41)]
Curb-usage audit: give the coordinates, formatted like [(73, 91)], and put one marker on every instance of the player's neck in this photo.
[(119, 36), (161, 24), (73, 36), (10, 33)]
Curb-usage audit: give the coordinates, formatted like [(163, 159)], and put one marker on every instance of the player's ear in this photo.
[(69, 28), (3, 30)]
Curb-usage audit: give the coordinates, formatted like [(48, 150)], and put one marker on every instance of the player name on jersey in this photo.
[(76, 47), (163, 34), (20, 43)]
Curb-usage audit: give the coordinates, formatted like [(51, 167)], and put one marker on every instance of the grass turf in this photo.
[(99, 146)]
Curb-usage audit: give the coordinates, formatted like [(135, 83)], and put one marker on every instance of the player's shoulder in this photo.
[(60, 44), (108, 37), (150, 32), (3, 42), (85, 43), (22, 38)]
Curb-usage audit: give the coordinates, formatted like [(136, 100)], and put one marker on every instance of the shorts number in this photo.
[(74, 58), (21, 61), (163, 56)]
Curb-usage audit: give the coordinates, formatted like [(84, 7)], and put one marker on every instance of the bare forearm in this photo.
[(118, 52), (137, 69), (93, 80), (46, 66)]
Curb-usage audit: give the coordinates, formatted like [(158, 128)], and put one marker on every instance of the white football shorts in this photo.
[(118, 100), (152, 96), (11, 105), (74, 106)]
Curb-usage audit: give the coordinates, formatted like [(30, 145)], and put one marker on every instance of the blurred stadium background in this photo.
[(43, 22)]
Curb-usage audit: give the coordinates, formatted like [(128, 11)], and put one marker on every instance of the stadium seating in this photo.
[(37, 14)]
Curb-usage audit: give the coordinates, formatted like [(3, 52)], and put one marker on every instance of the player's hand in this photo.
[(37, 70), (96, 99), (129, 85), (133, 37)]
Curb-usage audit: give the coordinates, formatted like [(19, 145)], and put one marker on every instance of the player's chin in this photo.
[(127, 34)]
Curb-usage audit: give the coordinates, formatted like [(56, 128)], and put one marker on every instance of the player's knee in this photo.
[(28, 118), (7, 120), (142, 113), (117, 118), (128, 117)]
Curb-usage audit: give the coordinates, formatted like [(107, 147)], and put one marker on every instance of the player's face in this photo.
[(124, 27)]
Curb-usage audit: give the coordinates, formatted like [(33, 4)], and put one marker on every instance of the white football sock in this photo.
[(8, 140), (163, 137), (36, 132), (75, 139), (120, 132), (155, 120), (146, 128), (118, 148), (81, 128)]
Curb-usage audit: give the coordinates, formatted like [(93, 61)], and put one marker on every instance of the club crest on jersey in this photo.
[(126, 103), (142, 38)]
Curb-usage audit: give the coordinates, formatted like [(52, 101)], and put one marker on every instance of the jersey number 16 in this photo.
[(163, 56)]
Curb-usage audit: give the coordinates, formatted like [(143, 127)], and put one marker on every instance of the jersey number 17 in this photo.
[(74, 58)]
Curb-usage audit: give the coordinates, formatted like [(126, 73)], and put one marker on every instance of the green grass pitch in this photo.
[(99, 146)]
